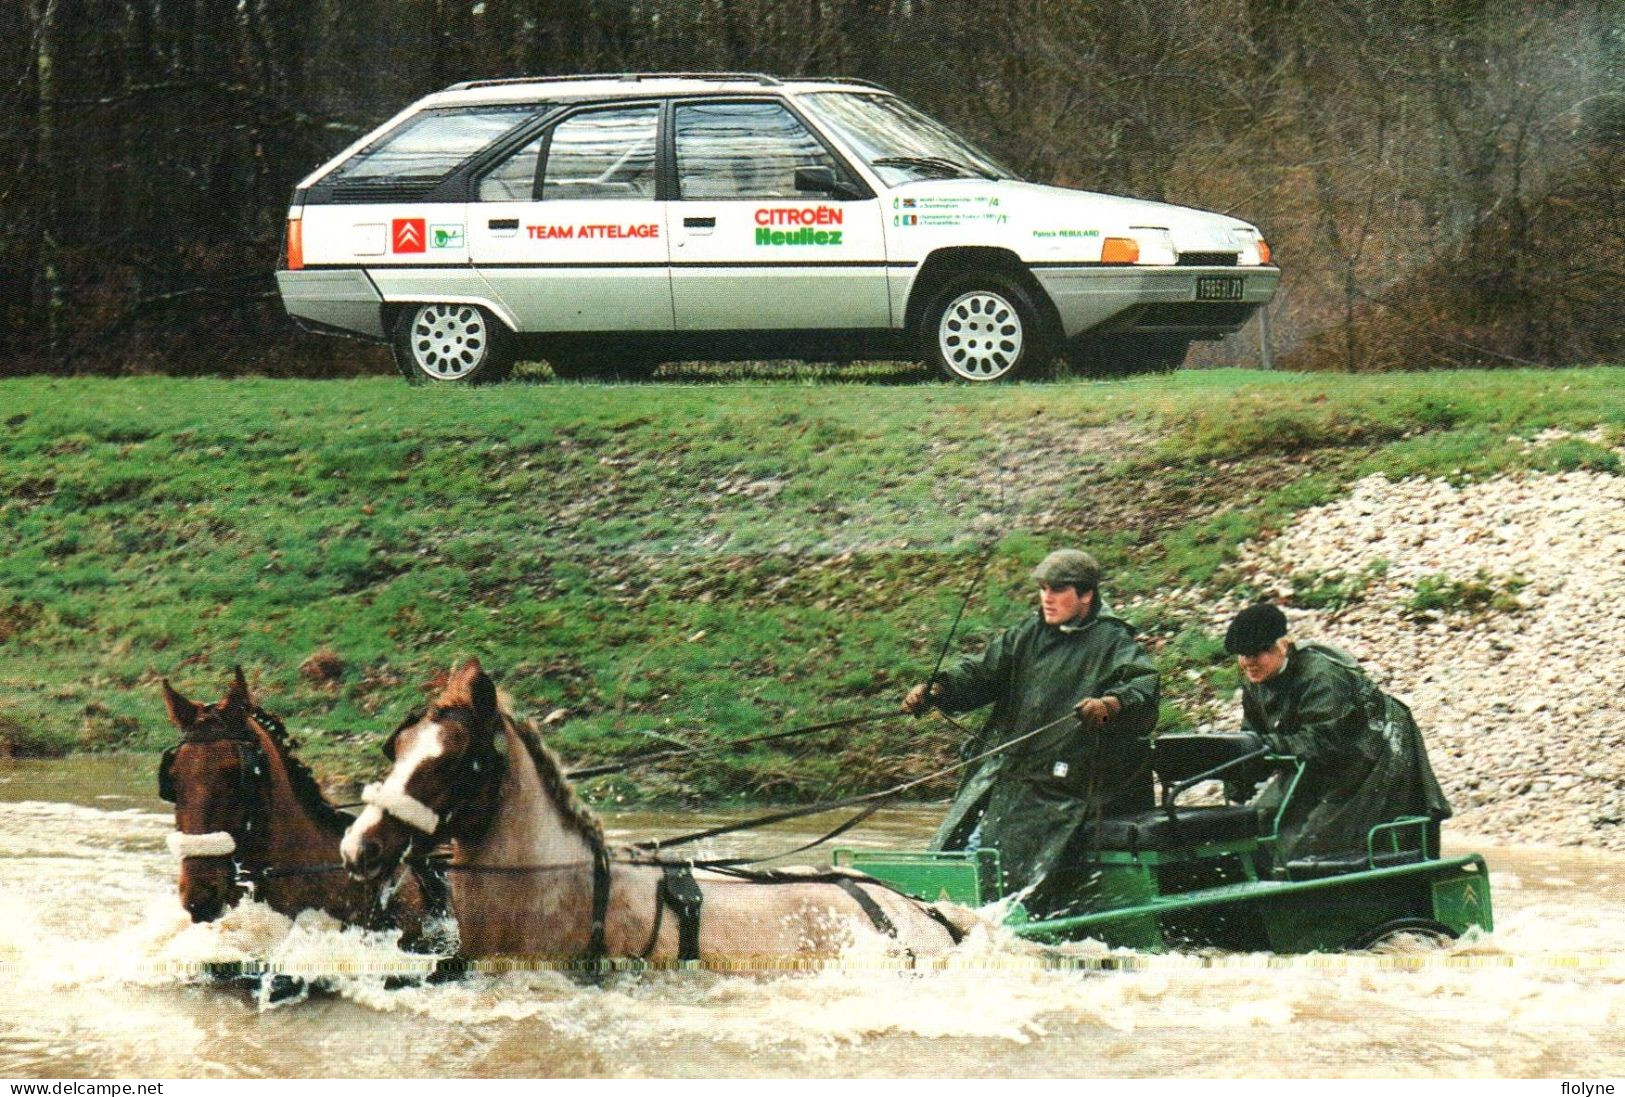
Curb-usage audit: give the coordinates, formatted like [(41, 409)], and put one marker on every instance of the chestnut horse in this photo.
[(532, 876), (248, 812)]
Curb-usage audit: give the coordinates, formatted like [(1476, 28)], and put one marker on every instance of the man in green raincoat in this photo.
[(1364, 761), (1076, 698)]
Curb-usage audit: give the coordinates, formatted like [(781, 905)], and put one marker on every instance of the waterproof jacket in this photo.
[(1364, 760), (1033, 800)]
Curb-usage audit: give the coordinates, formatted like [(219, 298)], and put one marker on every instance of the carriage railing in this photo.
[(1299, 766), (1394, 827), (1171, 791)]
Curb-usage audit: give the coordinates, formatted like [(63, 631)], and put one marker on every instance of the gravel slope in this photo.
[(1523, 705)]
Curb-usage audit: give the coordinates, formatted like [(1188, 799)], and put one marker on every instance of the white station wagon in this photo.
[(610, 223)]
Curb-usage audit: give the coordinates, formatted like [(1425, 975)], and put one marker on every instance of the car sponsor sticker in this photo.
[(1064, 234), (803, 225), (946, 210), (593, 232), (445, 236), (408, 235)]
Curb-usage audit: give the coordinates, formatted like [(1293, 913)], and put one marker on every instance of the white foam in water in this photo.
[(100, 968)]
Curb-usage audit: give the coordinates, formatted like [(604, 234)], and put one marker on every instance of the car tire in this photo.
[(982, 327), (1126, 355), (451, 345)]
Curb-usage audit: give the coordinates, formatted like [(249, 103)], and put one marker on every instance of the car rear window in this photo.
[(427, 147)]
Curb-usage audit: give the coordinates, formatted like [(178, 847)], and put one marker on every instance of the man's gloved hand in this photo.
[(1094, 711), (920, 695)]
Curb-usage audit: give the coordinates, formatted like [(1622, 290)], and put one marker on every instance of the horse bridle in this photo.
[(482, 769), (248, 863)]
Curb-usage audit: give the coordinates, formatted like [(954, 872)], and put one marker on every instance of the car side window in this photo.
[(744, 150), (603, 154), (430, 145), (513, 180)]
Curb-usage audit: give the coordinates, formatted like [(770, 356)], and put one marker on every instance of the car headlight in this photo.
[(1148, 246), (1250, 240), (1156, 246)]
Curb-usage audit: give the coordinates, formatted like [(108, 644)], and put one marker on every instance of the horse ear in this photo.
[(237, 693), (466, 675), (464, 688), (472, 682), (182, 712), (239, 687), (484, 694)]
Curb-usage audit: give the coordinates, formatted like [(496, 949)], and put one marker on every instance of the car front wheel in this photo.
[(981, 327), (452, 344)]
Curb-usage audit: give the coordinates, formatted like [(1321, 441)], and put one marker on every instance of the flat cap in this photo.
[(1068, 566), (1255, 629)]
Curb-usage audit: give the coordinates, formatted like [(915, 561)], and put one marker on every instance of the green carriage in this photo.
[(1190, 877)]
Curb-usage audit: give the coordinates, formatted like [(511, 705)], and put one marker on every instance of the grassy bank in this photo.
[(663, 561)]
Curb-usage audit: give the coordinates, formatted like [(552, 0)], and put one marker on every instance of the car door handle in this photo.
[(510, 224), (699, 222)]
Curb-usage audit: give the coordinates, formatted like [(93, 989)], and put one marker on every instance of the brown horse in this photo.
[(249, 813), (532, 875)]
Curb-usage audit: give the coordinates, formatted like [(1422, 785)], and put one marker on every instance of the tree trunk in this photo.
[(49, 299)]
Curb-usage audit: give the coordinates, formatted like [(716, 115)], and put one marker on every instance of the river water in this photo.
[(99, 977)]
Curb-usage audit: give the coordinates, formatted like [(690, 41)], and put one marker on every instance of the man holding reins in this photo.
[(1076, 697)]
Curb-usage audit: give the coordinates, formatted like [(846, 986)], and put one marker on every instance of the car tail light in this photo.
[(1264, 253), (296, 244), (1120, 249)]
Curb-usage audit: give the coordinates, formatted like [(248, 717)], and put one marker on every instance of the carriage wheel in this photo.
[(1389, 934)]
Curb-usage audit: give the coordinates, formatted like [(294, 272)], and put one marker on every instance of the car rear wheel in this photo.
[(451, 344), (981, 327)]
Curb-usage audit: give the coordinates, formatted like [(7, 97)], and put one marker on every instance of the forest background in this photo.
[(1443, 181)]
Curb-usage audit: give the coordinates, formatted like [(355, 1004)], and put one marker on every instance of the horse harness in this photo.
[(680, 892), (253, 770), (677, 890)]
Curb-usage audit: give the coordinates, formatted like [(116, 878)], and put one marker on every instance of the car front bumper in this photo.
[(1155, 299)]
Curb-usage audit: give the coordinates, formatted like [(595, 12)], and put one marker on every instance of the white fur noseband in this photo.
[(414, 813), (214, 844)]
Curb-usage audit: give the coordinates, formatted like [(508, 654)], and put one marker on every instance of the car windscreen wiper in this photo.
[(949, 168)]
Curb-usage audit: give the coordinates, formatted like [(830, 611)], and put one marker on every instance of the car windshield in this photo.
[(898, 142)]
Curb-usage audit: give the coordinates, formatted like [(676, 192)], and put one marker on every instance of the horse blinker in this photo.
[(166, 775)]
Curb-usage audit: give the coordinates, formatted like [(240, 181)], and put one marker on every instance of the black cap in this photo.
[(1255, 629)]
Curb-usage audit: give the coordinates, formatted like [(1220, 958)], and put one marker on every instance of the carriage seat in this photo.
[(1198, 826), (1338, 864), (1181, 761)]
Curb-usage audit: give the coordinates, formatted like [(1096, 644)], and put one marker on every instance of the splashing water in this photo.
[(102, 972)]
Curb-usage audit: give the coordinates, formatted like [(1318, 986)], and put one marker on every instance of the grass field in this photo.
[(664, 562)]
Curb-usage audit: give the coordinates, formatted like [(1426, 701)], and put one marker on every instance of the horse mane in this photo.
[(577, 814), (300, 777)]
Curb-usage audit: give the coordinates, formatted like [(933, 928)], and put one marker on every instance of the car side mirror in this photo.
[(822, 180)]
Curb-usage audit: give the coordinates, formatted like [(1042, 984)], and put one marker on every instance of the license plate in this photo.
[(1220, 289)]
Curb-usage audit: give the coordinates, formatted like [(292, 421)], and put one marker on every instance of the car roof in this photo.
[(633, 85)]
